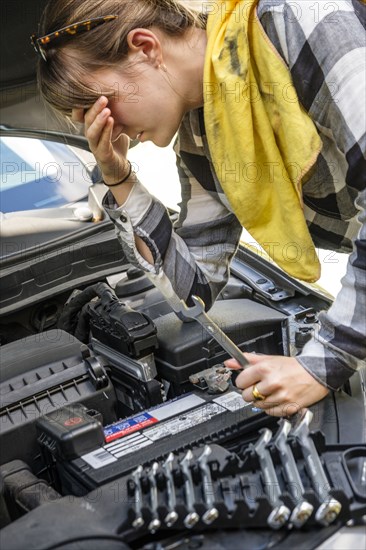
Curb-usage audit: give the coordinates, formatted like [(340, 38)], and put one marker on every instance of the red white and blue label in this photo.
[(128, 426), (156, 414)]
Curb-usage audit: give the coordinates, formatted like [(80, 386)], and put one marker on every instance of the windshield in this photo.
[(37, 174)]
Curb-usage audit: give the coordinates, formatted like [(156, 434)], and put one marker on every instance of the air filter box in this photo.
[(39, 375)]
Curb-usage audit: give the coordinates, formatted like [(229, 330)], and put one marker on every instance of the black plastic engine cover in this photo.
[(39, 375)]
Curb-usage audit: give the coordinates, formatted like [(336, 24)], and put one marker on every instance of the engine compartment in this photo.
[(121, 419), (120, 356)]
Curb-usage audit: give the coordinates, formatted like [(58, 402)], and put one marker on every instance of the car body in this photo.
[(115, 413), (26, 184)]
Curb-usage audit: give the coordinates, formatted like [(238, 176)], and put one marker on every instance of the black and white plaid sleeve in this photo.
[(339, 347), (324, 45)]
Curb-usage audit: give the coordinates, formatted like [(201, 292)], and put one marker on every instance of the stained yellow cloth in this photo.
[(261, 140)]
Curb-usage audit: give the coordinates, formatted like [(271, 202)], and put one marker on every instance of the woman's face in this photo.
[(145, 105)]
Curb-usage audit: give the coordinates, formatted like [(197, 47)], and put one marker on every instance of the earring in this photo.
[(163, 67)]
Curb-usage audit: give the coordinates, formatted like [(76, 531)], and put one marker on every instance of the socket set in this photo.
[(283, 479)]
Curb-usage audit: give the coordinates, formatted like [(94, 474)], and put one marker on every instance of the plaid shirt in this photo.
[(324, 47)]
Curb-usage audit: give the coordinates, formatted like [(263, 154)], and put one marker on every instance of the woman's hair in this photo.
[(60, 78)]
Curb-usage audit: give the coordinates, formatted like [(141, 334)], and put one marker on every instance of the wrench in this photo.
[(192, 517), (330, 507), (138, 521), (211, 513), (280, 512), (303, 509), (155, 522), (198, 313), (172, 515)]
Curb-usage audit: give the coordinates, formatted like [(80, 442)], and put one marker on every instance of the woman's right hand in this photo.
[(110, 155)]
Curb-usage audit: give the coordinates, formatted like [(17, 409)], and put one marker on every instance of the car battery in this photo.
[(190, 419)]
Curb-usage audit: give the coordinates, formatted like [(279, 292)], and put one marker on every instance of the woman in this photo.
[(268, 101)]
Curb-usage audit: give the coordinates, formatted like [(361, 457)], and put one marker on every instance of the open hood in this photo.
[(21, 105)]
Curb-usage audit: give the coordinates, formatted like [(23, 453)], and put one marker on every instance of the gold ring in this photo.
[(257, 395)]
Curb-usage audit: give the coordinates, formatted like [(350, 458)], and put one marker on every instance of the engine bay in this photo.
[(121, 424)]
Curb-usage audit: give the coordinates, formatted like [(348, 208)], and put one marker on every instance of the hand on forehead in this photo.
[(78, 113)]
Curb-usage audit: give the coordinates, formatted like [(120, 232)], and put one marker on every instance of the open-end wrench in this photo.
[(303, 509), (138, 521), (211, 513), (198, 313), (172, 515), (192, 517), (330, 507), (280, 512), (155, 522)]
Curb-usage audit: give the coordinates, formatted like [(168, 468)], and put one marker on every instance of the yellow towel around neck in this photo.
[(261, 140)]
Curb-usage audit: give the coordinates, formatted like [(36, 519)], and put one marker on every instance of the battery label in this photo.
[(232, 401), (127, 445), (167, 410), (176, 406), (99, 458), (117, 449), (184, 421)]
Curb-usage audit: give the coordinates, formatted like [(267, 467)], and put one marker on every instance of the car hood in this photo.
[(20, 102)]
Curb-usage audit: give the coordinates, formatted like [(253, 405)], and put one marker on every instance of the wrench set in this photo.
[(279, 480)]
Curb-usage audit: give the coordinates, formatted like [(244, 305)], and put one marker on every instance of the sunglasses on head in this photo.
[(41, 43)]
